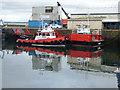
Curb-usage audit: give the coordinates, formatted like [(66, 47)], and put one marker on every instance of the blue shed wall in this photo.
[(37, 24)]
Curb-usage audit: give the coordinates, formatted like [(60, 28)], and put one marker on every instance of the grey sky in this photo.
[(20, 10)]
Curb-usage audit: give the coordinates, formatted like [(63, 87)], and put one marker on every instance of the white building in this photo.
[(46, 13)]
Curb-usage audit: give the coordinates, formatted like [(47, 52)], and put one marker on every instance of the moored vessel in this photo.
[(47, 37), (85, 36)]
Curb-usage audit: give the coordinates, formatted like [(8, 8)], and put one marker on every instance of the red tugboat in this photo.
[(47, 37), (85, 36)]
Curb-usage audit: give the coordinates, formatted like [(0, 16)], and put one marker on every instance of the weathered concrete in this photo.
[(111, 35)]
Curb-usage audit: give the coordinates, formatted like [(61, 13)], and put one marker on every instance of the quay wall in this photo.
[(108, 35)]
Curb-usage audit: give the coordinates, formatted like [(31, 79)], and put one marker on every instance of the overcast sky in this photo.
[(21, 10)]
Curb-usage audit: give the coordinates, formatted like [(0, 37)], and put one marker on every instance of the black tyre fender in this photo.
[(56, 42), (60, 41), (43, 42), (46, 42), (37, 42), (51, 42), (19, 42)]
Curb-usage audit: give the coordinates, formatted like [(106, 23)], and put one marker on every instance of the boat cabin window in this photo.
[(43, 34), (38, 34), (47, 34), (53, 34)]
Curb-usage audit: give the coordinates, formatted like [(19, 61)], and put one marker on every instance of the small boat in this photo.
[(85, 36), (46, 37)]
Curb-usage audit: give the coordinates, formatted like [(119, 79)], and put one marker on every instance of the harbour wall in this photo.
[(109, 35)]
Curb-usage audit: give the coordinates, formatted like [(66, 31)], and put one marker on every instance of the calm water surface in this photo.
[(70, 67)]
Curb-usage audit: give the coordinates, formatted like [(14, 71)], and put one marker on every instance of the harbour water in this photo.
[(69, 67)]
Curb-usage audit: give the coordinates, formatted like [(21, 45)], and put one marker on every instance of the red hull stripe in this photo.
[(80, 37)]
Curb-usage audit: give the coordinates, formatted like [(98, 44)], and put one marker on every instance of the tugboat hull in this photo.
[(55, 42), (85, 39)]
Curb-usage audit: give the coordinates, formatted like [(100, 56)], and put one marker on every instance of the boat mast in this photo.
[(42, 21), (88, 17), (41, 17)]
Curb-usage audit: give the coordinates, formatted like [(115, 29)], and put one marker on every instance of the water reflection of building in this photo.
[(86, 60), (46, 61)]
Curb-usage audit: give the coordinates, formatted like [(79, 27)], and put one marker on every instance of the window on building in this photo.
[(110, 25), (48, 10)]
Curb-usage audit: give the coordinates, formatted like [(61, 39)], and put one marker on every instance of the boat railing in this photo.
[(96, 32)]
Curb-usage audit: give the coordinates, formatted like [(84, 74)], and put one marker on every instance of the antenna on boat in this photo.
[(42, 22), (40, 15), (88, 17)]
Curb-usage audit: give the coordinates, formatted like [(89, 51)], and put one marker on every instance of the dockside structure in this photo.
[(45, 15), (99, 18)]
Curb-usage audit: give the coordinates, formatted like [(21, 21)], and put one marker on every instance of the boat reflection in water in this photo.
[(79, 64), (89, 60), (82, 58), (48, 59)]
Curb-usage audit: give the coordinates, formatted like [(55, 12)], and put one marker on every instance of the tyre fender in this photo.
[(60, 41)]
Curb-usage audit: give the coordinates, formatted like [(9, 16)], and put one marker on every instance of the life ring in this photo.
[(60, 41), (93, 32)]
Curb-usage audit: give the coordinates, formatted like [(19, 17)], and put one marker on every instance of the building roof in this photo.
[(96, 11), (111, 20), (96, 14)]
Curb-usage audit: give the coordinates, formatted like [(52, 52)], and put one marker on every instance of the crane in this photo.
[(58, 4)]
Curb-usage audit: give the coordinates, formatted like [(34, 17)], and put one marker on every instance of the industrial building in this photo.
[(45, 14), (98, 18)]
